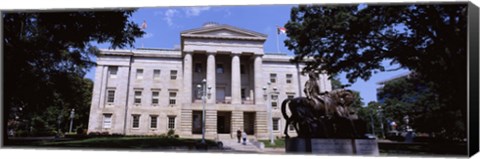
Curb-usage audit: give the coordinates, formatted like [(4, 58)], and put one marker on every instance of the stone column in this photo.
[(187, 77), (103, 86), (211, 72), (258, 71), (236, 80)]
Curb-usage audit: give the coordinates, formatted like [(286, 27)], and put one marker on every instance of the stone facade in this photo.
[(150, 91)]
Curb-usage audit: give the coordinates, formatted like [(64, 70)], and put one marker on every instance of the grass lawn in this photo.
[(118, 142), (279, 143)]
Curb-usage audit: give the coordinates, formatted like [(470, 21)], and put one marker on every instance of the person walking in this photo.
[(244, 137), (239, 135)]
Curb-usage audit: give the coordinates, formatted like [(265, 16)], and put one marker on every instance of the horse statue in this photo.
[(320, 114)]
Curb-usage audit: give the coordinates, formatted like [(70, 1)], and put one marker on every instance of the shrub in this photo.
[(99, 134), (171, 132), (81, 131)]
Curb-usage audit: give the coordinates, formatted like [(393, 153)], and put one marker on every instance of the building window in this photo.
[(107, 121), (136, 121), (112, 71), (290, 95), (139, 74), (243, 94), (220, 69), (173, 98), (110, 96), (156, 74), (153, 121), (138, 97), (197, 122), (242, 69), (273, 78), (173, 74), (198, 67), (275, 124), (155, 97), (274, 101), (199, 93), (171, 122), (289, 78)]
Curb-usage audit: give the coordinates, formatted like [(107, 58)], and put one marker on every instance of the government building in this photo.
[(152, 91)]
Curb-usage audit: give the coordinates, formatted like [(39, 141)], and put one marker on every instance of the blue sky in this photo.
[(164, 25)]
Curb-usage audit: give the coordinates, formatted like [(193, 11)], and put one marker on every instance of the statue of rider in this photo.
[(331, 100), (312, 91)]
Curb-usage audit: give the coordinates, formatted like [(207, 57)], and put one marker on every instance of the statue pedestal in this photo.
[(332, 146)]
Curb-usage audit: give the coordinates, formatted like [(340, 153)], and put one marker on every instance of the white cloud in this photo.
[(195, 11), (169, 14), (148, 35)]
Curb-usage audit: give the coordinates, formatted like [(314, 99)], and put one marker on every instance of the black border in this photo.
[(473, 71)]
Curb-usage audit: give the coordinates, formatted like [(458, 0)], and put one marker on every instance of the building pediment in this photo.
[(223, 32)]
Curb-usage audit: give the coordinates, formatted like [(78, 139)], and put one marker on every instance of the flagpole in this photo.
[(278, 31), (144, 27)]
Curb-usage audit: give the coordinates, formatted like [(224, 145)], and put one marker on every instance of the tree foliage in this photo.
[(427, 39), (46, 58), (371, 116), (409, 96)]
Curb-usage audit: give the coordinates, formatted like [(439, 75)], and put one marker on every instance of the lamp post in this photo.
[(202, 88), (269, 109), (72, 115), (371, 123), (381, 120)]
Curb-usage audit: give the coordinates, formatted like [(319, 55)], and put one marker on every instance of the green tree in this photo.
[(413, 97), (428, 39), (370, 115), (46, 58)]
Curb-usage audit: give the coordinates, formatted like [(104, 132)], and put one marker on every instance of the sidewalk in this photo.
[(274, 150), (234, 146)]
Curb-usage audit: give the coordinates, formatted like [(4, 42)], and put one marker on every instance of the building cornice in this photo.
[(200, 33), (143, 53), (223, 37)]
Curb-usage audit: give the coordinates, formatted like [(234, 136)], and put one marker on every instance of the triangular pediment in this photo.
[(223, 31)]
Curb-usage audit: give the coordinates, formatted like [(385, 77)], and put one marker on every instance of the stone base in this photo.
[(332, 146)]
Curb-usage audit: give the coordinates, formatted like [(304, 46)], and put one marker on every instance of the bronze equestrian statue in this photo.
[(320, 114)]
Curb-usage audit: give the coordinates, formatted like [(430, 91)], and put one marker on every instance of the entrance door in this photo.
[(220, 94), (197, 122), (249, 122), (223, 122)]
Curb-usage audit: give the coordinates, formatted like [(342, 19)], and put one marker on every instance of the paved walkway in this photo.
[(230, 145), (234, 146)]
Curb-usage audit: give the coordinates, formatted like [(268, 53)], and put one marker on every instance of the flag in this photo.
[(144, 25), (281, 30)]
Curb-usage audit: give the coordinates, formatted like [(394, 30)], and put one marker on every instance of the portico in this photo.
[(227, 58), (230, 59)]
